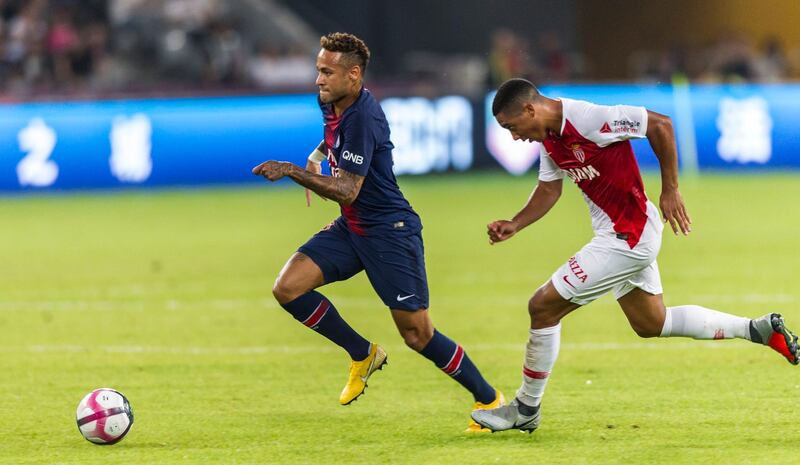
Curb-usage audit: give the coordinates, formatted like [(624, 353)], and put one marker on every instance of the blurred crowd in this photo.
[(172, 46), (545, 60), (79, 46), (48, 42), (732, 57)]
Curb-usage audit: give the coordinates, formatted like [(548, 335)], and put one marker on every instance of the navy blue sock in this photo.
[(453, 360), (318, 313)]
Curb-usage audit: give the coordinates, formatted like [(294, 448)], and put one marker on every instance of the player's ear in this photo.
[(529, 109), (355, 73)]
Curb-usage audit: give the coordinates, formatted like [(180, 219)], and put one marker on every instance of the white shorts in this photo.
[(607, 263)]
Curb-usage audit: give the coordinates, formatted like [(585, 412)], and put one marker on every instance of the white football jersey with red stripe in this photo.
[(594, 150)]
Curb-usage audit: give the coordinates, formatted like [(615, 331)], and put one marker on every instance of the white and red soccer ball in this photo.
[(104, 416)]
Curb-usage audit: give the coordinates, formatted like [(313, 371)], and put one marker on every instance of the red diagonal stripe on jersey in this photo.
[(455, 361), (534, 374), (317, 314)]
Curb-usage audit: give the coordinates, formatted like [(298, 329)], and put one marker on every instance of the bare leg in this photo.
[(645, 312), (299, 275)]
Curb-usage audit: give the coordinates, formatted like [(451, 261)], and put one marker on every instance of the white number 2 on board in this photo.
[(38, 140)]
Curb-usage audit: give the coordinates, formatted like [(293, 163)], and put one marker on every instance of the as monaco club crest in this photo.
[(578, 152)]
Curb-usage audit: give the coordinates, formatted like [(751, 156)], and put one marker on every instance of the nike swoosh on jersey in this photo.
[(400, 299), (567, 281)]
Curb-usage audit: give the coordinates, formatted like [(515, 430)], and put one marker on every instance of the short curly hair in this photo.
[(353, 49)]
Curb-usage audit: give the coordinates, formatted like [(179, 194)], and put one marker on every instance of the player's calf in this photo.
[(453, 360), (315, 311), (647, 329)]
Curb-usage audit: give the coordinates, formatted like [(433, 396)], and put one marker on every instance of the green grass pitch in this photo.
[(166, 297)]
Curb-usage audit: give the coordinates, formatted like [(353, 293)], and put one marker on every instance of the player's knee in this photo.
[(284, 292), (542, 315), (417, 337)]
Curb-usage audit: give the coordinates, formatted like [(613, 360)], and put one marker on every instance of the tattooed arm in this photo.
[(343, 189)]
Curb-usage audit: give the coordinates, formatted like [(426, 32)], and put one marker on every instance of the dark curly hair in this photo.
[(353, 49)]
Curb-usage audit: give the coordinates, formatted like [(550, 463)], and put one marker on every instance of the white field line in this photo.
[(744, 301), (136, 305), (290, 349)]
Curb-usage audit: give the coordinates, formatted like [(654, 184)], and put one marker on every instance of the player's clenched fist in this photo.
[(272, 170), (501, 230)]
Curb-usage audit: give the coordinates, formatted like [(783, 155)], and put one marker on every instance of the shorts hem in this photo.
[(649, 289), (407, 309), (326, 266), (567, 295)]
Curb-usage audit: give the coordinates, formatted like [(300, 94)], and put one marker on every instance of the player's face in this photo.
[(523, 124), (335, 80)]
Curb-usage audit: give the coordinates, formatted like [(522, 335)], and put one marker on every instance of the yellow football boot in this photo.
[(359, 373), (498, 401)]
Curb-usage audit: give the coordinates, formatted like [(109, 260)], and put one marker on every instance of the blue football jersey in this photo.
[(358, 141)]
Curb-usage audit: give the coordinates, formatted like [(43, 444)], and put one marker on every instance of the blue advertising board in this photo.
[(161, 142), (151, 142), (195, 141)]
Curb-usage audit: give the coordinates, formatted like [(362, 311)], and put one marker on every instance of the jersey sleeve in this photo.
[(605, 125), (548, 170), (358, 144)]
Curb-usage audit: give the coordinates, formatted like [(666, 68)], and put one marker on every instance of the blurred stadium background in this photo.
[(115, 274), (118, 93)]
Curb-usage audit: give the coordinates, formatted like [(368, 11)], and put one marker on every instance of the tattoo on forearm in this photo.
[(342, 189)]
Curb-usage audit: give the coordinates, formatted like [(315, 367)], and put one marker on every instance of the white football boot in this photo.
[(507, 417)]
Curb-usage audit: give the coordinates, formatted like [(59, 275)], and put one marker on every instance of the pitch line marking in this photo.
[(290, 349)]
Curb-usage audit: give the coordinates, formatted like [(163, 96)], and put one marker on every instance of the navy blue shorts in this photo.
[(394, 262)]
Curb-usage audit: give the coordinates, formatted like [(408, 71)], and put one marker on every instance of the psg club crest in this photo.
[(578, 152)]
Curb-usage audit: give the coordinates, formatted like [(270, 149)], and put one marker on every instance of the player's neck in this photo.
[(553, 114), (343, 104)]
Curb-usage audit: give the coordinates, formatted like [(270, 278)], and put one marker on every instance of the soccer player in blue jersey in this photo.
[(378, 231)]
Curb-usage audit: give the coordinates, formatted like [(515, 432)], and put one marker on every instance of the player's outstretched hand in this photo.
[(272, 170), (501, 230), (674, 211)]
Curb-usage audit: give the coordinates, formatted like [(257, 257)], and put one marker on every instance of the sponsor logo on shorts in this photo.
[(567, 281), (405, 297), (577, 270), (352, 157)]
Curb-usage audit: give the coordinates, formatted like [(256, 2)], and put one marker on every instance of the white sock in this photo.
[(540, 356), (703, 323)]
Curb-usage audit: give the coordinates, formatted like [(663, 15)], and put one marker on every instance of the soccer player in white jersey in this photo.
[(590, 144)]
